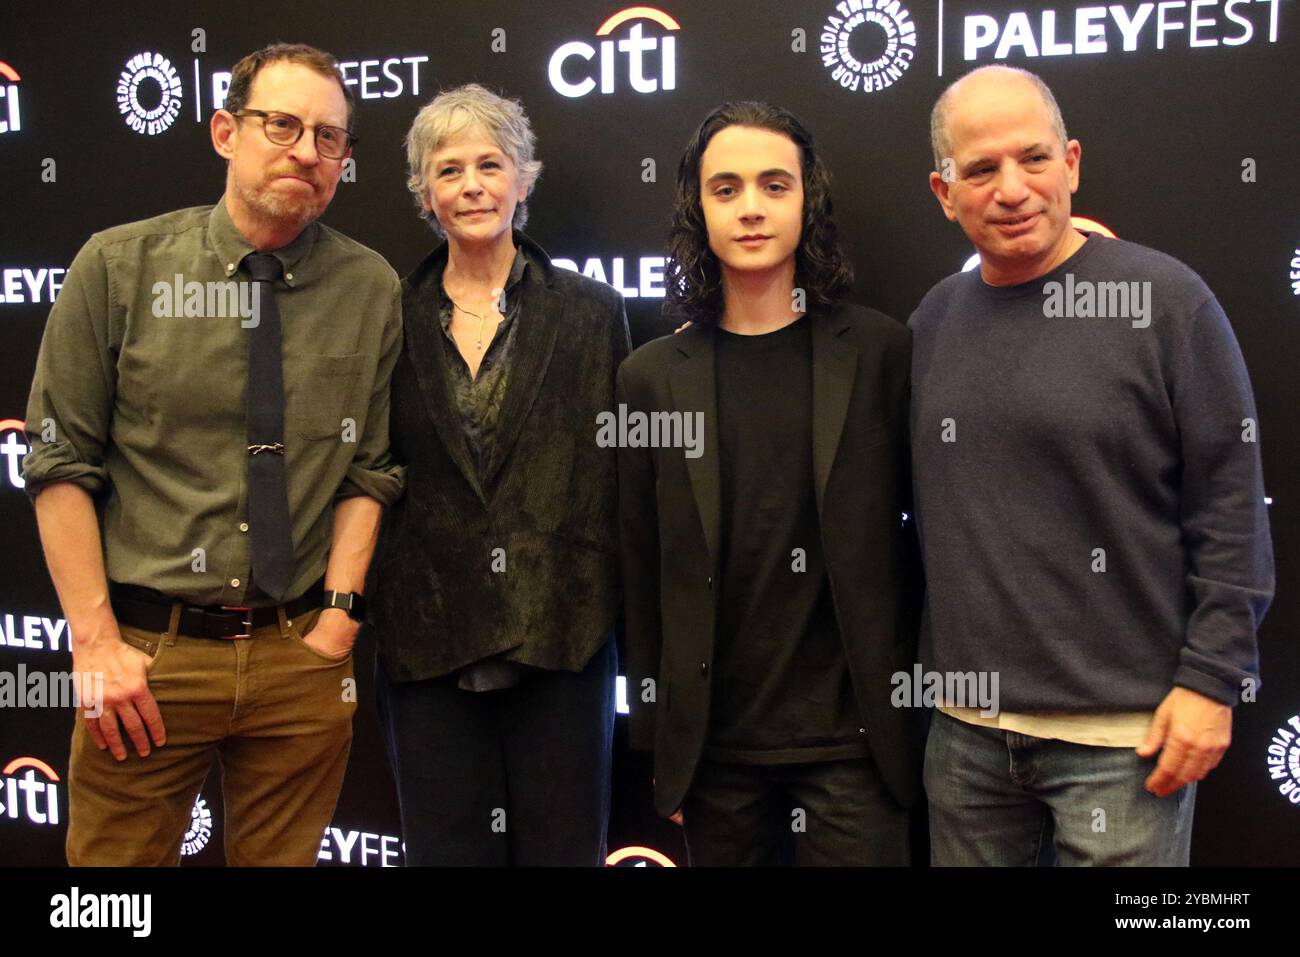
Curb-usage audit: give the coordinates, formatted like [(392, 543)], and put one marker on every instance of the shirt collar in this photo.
[(231, 247)]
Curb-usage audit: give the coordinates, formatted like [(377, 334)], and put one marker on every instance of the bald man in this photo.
[(1091, 508)]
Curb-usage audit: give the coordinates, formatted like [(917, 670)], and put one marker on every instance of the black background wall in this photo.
[(1189, 145)]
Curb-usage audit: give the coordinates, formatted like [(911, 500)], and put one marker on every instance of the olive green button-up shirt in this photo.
[(140, 386)]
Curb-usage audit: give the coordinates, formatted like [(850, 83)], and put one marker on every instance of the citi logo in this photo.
[(26, 796), (11, 112), (637, 856), (633, 48), (13, 447)]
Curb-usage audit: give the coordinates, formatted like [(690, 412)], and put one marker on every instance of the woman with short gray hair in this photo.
[(496, 586)]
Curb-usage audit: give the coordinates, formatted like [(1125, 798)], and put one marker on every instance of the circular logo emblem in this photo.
[(196, 838), (869, 49), (149, 93), (638, 857), (1284, 759)]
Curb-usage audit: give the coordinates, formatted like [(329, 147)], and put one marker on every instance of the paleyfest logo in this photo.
[(149, 93), (1097, 28), (860, 23)]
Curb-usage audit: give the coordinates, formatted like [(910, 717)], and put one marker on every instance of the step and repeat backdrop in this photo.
[(1188, 115)]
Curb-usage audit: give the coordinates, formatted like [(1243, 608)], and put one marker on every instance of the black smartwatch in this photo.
[(351, 602)]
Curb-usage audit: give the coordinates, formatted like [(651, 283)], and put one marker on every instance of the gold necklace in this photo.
[(478, 342)]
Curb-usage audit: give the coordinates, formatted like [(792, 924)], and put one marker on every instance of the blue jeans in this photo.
[(999, 799)]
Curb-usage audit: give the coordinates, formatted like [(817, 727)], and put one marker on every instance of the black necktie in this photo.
[(268, 493)]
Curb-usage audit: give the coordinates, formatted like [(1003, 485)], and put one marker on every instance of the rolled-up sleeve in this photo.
[(373, 470), (70, 407)]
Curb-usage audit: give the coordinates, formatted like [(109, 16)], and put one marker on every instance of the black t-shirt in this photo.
[(781, 686)]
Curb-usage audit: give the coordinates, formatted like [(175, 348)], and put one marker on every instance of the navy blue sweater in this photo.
[(1090, 503)]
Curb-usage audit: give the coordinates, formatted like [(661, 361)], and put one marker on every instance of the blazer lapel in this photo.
[(835, 363), (692, 383), (424, 349), (541, 314)]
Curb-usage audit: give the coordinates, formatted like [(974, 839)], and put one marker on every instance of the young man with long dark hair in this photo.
[(769, 576)]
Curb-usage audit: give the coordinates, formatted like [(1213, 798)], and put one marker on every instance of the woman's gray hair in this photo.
[(452, 112)]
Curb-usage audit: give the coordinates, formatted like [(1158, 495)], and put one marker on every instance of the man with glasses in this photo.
[(209, 463)]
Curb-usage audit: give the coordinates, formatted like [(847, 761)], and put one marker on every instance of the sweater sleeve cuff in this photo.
[(1215, 688)]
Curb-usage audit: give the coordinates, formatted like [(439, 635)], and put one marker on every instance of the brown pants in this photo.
[(276, 713)]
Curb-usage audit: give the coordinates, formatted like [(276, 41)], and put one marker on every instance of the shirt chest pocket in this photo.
[(323, 395)]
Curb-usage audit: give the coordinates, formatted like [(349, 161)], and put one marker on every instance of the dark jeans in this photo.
[(1002, 799), (517, 776), (823, 813)]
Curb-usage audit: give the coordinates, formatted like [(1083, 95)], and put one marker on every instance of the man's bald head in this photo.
[(985, 76)]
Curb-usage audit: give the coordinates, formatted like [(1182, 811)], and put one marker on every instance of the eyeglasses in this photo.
[(285, 129)]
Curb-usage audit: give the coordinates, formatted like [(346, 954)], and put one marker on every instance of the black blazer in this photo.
[(547, 499), (670, 519)]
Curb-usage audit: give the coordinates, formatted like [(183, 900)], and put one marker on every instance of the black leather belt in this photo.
[(151, 610)]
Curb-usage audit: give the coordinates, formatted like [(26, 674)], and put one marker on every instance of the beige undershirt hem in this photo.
[(1116, 729)]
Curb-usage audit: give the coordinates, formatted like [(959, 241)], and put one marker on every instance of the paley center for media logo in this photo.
[(151, 94), (11, 114), (637, 47), (199, 831), (868, 44), (1284, 759)]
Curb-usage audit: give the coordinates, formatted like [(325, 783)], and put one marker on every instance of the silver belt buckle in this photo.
[(246, 619)]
